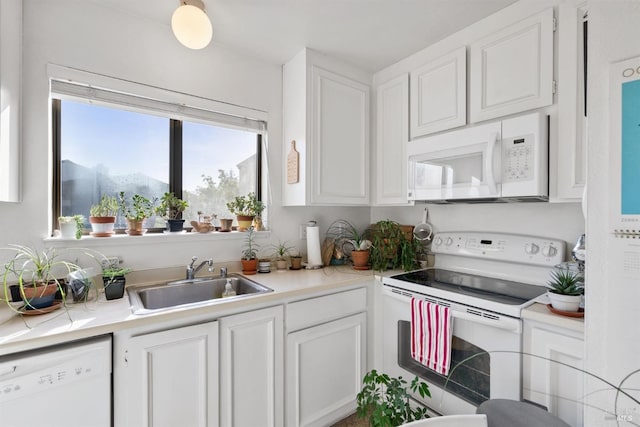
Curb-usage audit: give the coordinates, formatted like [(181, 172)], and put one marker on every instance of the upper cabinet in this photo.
[(392, 134), (326, 113), (10, 70), (512, 69), (438, 94)]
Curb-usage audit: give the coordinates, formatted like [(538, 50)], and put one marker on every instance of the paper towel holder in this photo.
[(314, 259)]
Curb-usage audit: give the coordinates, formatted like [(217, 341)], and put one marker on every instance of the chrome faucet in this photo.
[(191, 272)]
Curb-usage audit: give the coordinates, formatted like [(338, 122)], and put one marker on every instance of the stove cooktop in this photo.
[(486, 288)]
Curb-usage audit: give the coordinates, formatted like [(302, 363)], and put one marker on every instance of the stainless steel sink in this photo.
[(190, 293)]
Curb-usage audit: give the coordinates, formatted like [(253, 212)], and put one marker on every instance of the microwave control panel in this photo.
[(518, 158)]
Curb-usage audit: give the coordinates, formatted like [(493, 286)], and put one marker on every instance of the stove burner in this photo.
[(497, 290)]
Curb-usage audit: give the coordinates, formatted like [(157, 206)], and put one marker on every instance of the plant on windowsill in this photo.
[(103, 216), (280, 252), (114, 281), (135, 212), (249, 258), (71, 226), (392, 247), (171, 207), (384, 400), (246, 209), (565, 290)]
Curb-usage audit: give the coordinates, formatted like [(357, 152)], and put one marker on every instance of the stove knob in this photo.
[(549, 251), (437, 241), (449, 241), (531, 248)]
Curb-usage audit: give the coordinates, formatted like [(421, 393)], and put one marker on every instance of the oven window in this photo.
[(469, 381)]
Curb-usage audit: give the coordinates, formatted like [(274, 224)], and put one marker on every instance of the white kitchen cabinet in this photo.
[(511, 70), (326, 113), (169, 378), (569, 173), (390, 177), (251, 368), (439, 94), (553, 363), (326, 357)]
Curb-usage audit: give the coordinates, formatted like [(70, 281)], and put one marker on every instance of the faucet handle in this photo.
[(193, 260), (223, 271)]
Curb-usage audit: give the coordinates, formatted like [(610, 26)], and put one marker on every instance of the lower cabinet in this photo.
[(169, 378), (325, 366), (251, 369), (553, 370)]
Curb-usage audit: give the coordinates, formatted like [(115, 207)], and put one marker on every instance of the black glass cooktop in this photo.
[(497, 290)]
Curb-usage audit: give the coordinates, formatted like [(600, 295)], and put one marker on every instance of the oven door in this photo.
[(486, 358), (462, 164)]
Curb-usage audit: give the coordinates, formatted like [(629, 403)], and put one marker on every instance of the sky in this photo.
[(129, 142)]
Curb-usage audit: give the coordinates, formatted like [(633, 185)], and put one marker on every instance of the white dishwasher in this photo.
[(66, 385)]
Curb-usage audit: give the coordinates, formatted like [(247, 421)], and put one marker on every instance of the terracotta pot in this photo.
[(360, 259), (296, 262), (226, 224), (102, 226), (244, 222), (39, 296), (249, 266), (135, 228)]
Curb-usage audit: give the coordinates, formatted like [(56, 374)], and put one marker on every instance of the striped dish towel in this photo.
[(431, 329)]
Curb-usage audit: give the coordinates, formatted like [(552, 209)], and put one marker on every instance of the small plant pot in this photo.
[(67, 230), (296, 262), (40, 296), (102, 226), (360, 259), (249, 266), (175, 225), (281, 264), (264, 266), (565, 302), (244, 222), (135, 227), (226, 224), (114, 288)]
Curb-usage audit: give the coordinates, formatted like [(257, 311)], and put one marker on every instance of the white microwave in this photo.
[(498, 161)]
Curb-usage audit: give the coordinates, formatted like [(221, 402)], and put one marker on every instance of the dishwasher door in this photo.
[(67, 385)]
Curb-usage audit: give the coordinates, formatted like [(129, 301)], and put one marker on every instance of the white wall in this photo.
[(91, 37), (612, 314)]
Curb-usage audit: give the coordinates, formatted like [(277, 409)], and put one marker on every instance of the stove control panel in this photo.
[(500, 247)]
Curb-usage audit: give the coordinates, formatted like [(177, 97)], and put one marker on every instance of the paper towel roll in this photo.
[(313, 247)]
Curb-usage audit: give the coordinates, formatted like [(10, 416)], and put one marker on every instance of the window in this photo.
[(107, 147)]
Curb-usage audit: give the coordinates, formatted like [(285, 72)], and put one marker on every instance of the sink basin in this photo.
[(190, 293)]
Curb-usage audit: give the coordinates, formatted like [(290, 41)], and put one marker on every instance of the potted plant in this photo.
[(135, 212), (565, 290), (114, 281), (36, 274), (250, 254), (246, 209), (280, 253), (171, 207), (392, 247), (360, 247), (386, 401), (103, 216), (71, 226)]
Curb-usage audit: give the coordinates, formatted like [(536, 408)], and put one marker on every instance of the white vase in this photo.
[(68, 230), (565, 302)]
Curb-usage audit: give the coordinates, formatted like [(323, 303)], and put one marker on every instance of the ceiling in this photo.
[(372, 34)]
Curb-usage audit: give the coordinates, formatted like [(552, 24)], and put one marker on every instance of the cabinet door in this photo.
[(325, 367), (512, 69), (172, 377), (251, 368), (340, 133), (553, 374), (390, 174), (439, 94)]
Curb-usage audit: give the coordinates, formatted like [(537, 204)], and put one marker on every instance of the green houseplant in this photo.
[(392, 248), (250, 253), (103, 216), (280, 252), (71, 226), (245, 208), (135, 212), (565, 290), (171, 207), (114, 281), (361, 247), (385, 400)]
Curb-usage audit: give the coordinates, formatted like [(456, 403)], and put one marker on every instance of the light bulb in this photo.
[(191, 26)]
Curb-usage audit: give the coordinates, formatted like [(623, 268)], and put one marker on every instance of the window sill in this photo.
[(151, 239)]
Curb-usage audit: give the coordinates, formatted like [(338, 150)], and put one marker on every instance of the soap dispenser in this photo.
[(228, 290)]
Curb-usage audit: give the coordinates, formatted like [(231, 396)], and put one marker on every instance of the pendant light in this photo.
[(191, 25)]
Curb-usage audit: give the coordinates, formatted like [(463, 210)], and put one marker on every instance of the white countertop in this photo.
[(540, 313), (97, 317)]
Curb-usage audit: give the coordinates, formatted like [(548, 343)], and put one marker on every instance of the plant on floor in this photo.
[(385, 400)]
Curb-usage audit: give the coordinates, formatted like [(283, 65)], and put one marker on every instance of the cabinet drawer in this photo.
[(302, 314)]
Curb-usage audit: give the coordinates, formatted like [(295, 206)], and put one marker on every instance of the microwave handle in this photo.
[(491, 182)]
